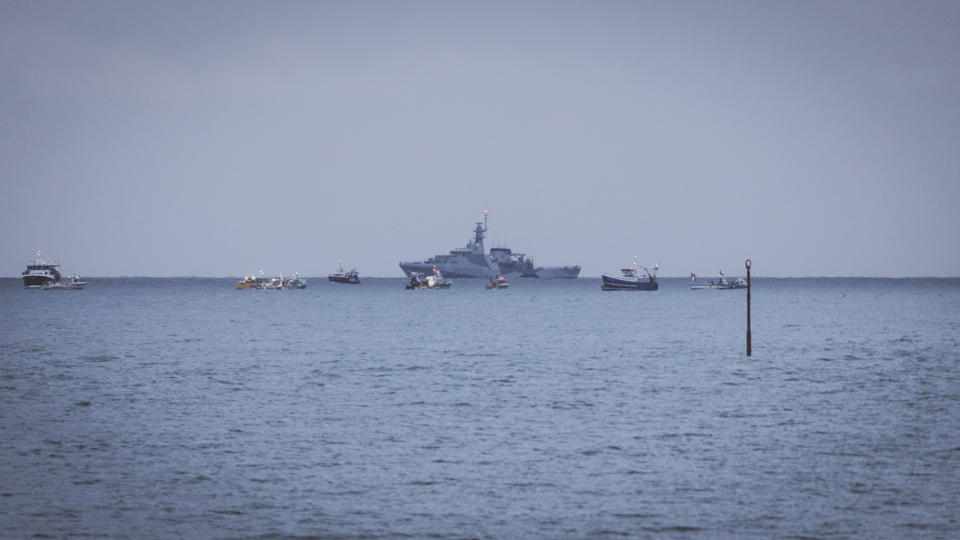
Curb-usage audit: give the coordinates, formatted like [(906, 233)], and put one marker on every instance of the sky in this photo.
[(817, 138)]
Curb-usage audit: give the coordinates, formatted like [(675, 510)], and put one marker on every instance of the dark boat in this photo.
[(344, 277), (498, 282), (40, 273), (630, 279)]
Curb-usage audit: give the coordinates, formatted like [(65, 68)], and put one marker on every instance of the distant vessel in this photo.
[(344, 277), (630, 279), (472, 261), (73, 283), (436, 281), (721, 283), (40, 272), (253, 282), (296, 282), (498, 282), (277, 283)]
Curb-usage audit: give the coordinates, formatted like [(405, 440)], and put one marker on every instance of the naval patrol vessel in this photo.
[(472, 261)]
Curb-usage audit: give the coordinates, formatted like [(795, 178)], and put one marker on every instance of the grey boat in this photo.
[(472, 261)]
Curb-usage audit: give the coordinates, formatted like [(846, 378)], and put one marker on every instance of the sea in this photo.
[(156, 408)]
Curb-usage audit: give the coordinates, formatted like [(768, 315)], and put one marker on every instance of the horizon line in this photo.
[(544, 279)]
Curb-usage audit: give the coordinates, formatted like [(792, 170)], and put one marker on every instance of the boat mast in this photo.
[(479, 233)]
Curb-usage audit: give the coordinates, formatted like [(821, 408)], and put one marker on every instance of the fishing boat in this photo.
[(436, 281), (253, 282), (40, 273), (296, 282), (498, 282), (73, 283), (632, 278), (344, 277)]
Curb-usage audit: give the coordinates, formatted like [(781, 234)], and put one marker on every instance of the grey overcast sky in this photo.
[(212, 138)]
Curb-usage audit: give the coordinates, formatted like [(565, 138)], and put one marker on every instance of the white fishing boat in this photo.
[(73, 283), (436, 281)]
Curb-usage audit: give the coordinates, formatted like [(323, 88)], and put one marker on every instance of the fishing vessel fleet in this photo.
[(471, 261), (260, 281)]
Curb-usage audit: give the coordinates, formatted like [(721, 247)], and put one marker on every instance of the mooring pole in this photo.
[(748, 263)]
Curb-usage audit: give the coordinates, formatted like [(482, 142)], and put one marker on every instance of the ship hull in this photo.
[(478, 271), (449, 270), (550, 272)]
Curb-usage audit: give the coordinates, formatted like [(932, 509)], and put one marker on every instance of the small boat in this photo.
[(498, 282), (344, 277), (721, 283), (630, 279), (73, 283), (250, 282), (416, 281), (275, 284), (436, 281), (296, 282), (253, 282)]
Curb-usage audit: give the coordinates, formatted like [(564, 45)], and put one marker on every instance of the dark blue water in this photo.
[(183, 407)]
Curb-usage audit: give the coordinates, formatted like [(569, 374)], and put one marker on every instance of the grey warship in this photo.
[(472, 261)]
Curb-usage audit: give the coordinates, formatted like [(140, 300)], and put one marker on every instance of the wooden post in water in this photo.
[(748, 263)]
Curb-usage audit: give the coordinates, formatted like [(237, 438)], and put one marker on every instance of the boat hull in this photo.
[(547, 272), (449, 270), (35, 282)]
